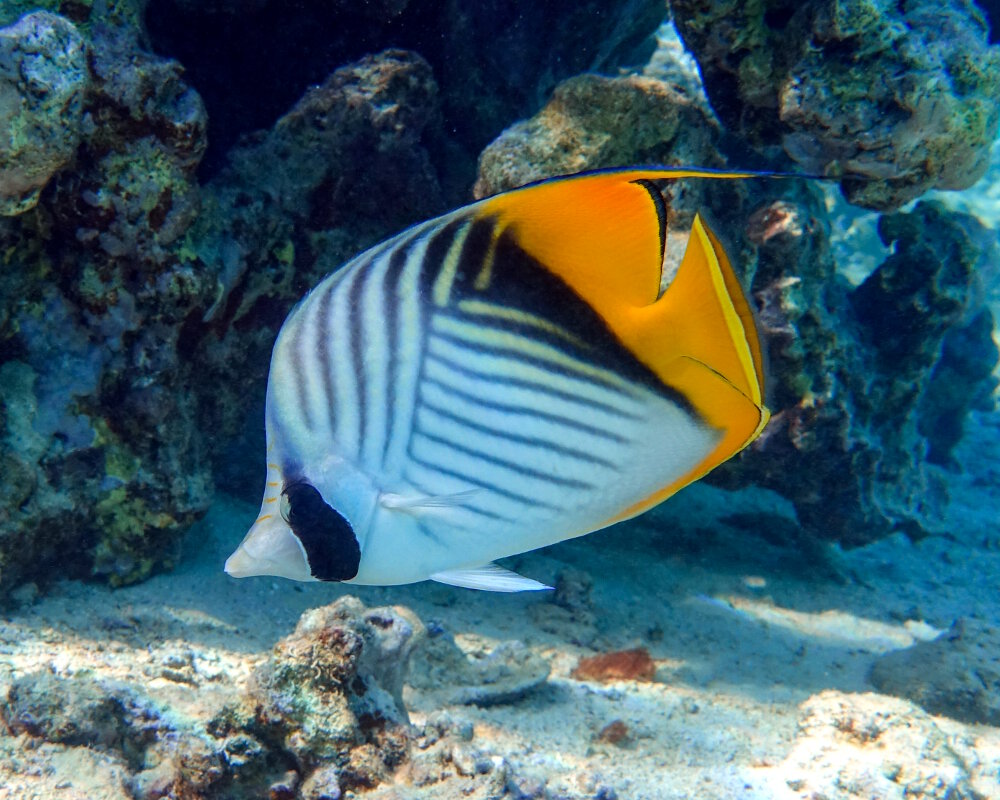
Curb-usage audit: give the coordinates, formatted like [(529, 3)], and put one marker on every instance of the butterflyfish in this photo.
[(501, 378)]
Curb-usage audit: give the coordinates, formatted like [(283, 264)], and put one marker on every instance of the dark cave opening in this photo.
[(991, 10), (252, 64), (494, 61)]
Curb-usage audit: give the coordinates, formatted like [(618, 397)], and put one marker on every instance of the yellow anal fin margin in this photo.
[(704, 316)]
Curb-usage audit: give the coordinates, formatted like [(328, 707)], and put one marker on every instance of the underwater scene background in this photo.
[(815, 619)]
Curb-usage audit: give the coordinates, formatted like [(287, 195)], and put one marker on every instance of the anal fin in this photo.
[(489, 578)]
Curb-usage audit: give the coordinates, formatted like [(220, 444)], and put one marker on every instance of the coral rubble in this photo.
[(320, 718), (323, 715)]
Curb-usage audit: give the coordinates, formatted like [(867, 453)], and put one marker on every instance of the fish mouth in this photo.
[(241, 564), (270, 548)]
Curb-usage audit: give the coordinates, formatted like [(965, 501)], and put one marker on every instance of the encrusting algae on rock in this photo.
[(893, 99), (331, 693), (43, 79)]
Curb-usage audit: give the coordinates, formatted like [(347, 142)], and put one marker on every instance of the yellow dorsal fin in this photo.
[(602, 234), (599, 233)]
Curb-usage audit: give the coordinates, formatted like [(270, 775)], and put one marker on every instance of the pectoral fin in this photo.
[(416, 505), (489, 578)]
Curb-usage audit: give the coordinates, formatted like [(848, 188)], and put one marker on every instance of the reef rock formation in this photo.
[(955, 675), (103, 467), (855, 373), (43, 79), (867, 747), (593, 121), (897, 98), (128, 331), (346, 166), (85, 14), (138, 307), (321, 717)]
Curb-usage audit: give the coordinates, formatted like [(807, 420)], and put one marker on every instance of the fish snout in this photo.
[(270, 548)]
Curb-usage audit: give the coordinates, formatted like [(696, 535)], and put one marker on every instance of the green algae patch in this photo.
[(119, 462), (134, 539)]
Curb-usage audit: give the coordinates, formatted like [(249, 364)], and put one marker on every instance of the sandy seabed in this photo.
[(762, 654)]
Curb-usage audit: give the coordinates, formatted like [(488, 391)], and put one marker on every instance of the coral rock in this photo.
[(955, 675), (43, 80), (323, 784), (849, 408), (77, 711), (100, 422), (343, 168), (896, 98), (331, 691), (593, 121), (868, 747), (494, 62)]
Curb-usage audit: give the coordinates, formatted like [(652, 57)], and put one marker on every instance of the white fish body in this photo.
[(456, 395)]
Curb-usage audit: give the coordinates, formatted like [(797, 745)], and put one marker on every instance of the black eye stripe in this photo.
[(332, 549)]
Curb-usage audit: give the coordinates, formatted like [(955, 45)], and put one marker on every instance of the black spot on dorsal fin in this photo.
[(332, 549), (660, 202)]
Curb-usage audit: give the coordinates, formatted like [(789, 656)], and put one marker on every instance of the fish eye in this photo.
[(292, 488)]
